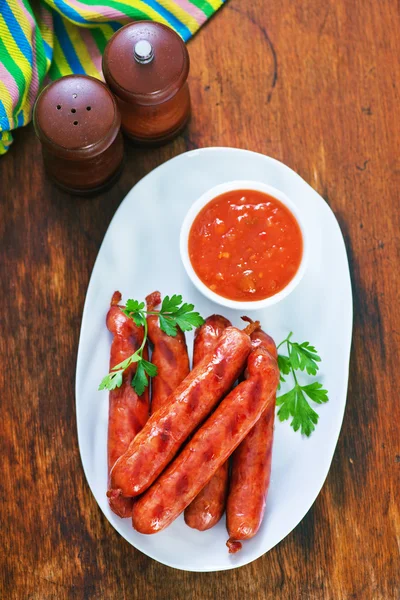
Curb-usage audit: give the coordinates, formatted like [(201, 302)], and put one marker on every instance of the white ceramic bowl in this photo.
[(184, 239)]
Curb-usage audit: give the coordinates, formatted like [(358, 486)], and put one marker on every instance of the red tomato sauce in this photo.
[(245, 245)]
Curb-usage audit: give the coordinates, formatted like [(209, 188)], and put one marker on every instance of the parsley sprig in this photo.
[(172, 314), (300, 357)]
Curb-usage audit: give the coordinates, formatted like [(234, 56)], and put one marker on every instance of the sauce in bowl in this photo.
[(245, 245)]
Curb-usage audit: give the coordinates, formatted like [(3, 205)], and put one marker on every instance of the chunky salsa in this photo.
[(245, 245)]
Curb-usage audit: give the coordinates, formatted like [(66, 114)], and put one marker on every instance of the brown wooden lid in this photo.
[(76, 116), (145, 63)]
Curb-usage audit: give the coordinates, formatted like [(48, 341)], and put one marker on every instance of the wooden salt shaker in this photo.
[(78, 123), (146, 65)]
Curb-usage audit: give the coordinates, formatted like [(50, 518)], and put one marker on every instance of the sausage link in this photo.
[(166, 430), (261, 339), (251, 469), (207, 335), (127, 411), (169, 354), (208, 507), (213, 443)]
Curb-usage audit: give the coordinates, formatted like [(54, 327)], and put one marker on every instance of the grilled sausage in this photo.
[(251, 469), (213, 443), (169, 354), (209, 505), (167, 429), (207, 335), (127, 411)]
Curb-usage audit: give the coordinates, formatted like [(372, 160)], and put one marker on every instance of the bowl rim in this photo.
[(210, 195)]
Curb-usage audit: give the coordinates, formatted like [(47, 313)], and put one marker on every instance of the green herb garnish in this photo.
[(173, 314), (300, 357)]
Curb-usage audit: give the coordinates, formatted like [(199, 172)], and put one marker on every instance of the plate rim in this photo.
[(348, 345)]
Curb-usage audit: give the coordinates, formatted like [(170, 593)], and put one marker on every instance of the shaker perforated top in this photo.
[(145, 63), (76, 115)]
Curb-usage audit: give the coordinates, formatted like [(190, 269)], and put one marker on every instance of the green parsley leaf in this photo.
[(171, 305), (132, 306), (304, 356), (185, 308), (316, 392), (286, 402), (140, 381), (134, 310), (150, 369), (293, 404), (139, 319), (284, 365), (111, 381), (168, 326), (284, 368), (187, 321), (173, 314), (301, 357), (127, 362)]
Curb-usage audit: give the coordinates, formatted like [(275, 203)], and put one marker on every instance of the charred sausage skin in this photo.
[(127, 411), (208, 507), (169, 354), (251, 469), (210, 447), (166, 430)]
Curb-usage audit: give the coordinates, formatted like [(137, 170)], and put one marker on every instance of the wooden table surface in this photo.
[(314, 84)]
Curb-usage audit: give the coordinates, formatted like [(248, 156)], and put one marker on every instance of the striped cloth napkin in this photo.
[(58, 37)]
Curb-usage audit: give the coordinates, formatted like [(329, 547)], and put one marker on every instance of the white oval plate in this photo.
[(140, 253)]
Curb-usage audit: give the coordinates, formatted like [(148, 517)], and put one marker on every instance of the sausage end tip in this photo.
[(252, 326), (233, 546), (116, 298)]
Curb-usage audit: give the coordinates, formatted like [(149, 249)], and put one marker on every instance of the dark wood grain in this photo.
[(316, 85)]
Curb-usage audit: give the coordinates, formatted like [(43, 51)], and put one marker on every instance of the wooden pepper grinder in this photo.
[(146, 65), (78, 123)]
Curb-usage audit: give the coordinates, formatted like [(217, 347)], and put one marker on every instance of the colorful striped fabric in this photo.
[(58, 37)]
